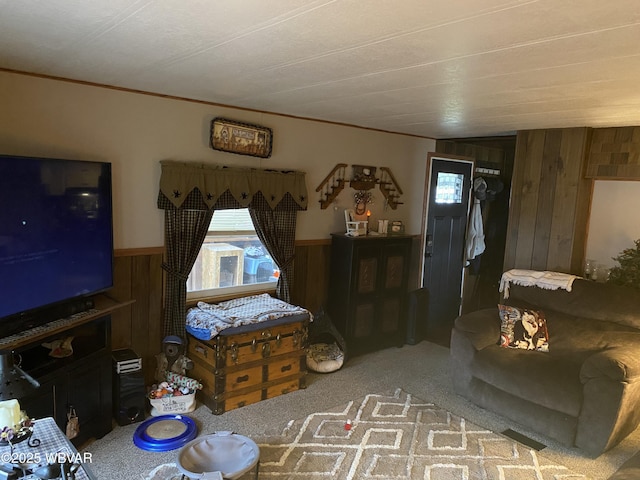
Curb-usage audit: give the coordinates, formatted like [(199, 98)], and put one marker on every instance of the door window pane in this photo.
[(449, 187)]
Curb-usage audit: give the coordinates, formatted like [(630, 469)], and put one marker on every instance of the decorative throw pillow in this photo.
[(523, 328)]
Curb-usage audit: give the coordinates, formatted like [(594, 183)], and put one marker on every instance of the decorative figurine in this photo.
[(172, 358)]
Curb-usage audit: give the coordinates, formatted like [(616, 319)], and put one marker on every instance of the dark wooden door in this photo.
[(447, 209)]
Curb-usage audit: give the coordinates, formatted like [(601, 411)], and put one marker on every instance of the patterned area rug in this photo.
[(393, 437)]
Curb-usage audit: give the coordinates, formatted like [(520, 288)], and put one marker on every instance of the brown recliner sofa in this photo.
[(583, 392)]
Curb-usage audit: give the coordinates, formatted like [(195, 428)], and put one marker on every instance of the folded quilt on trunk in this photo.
[(206, 320)]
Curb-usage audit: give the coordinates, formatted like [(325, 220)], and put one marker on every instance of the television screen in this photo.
[(56, 239)]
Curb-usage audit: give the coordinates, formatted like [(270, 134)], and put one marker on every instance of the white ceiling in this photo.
[(435, 68)]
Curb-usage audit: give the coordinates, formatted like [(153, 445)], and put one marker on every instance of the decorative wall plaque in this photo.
[(241, 138)]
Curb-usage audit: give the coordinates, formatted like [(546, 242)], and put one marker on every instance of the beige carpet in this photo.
[(394, 436), (422, 369)]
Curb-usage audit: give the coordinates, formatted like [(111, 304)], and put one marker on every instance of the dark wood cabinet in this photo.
[(82, 380), (368, 290)]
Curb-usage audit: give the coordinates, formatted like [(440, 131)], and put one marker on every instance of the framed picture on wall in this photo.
[(241, 138)]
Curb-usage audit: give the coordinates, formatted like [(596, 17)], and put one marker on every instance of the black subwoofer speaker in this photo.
[(129, 396), (129, 402)]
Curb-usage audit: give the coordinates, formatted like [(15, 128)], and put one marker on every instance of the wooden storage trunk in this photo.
[(240, 367)]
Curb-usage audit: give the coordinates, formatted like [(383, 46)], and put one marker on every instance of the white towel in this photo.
[(475, 233), (543, 279)]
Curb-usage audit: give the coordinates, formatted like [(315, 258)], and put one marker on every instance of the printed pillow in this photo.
[(523, 328)]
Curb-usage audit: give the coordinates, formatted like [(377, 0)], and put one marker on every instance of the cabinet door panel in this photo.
[(41, 403), (367, 275), (84, 393), (394, 271), (89, 392), (390, 315), (363, 322)]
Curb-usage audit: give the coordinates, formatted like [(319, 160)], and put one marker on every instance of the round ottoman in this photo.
[(228, 453)]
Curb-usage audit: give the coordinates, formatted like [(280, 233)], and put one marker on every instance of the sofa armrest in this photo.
[(481, 327), (611, 394), (620, 364), (629, 470)]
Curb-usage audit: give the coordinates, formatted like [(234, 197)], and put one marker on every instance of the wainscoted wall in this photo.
[(139, 277), (548, 220), (311, 274)]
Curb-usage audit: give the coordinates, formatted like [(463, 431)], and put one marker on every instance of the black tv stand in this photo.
[(81, 380)]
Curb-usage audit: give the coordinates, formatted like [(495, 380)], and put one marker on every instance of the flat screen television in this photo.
[(56, 238)]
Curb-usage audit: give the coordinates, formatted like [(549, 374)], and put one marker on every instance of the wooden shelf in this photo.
[(362, 184), (103, 305)]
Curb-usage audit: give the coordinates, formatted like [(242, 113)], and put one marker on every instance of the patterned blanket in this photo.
[(206, 320)]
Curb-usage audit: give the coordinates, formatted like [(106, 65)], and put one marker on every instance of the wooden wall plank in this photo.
[(299, 285), (155, 330), (561, 228), (141, 319), (549, 165), (311, 280), (515, 203), (140, 291), (583, 213), (565, 229), (121, 291), (531, 166), (318, 269)]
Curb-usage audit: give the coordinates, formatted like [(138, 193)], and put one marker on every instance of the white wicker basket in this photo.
[(170, 405)]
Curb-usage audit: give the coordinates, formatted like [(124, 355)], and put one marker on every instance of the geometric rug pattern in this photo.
[(398, 436)]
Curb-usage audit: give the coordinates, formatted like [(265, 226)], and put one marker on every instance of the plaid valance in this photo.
[(197, 186)]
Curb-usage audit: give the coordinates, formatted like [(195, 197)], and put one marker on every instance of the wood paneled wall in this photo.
[(614, 154), (550, 201), (311, 274), (484, 155), (547, 225), (138, 276)]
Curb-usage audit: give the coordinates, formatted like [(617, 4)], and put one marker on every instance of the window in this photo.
[(449, 187), (232, 258)]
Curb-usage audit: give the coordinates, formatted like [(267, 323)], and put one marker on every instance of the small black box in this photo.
[(417, 315)]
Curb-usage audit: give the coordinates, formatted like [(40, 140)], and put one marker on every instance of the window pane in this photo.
[(449, 187), (231, 255), (231, 221)]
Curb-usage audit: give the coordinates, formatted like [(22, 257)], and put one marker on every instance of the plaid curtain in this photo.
[(190, 193), (185, 231), (276, 229)]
